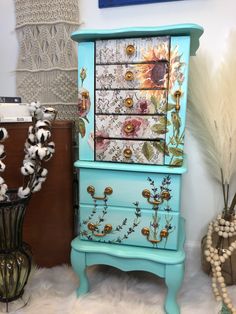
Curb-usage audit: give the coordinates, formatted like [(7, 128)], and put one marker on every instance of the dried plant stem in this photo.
[(223, 188)]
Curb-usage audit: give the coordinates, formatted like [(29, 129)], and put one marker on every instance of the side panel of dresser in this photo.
[(86, 100), (177, 102)]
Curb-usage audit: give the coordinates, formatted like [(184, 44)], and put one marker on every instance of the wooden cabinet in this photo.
[(49, 220)]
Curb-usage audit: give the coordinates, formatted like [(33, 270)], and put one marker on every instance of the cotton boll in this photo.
[(37, 187), (28, 168), (49, 113), (1, 180), (32, 151), (3, 134), (51, 147), (43, 172), (3, 189), (40, 151), (44, 124), (43, 135), (2, 166), (31, 139), (39, 114), (2, 152), (23, 193), (42, 179)]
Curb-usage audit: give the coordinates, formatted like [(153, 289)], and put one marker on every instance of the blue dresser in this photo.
[(132, 110)]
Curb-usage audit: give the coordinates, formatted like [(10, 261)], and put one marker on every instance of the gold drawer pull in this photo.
[(177, 96), (129, 76), (164, 196), (147, 194), (163, 234), (127, 153), (91, 190), (107, 229), (130, 50), (129, 102), (85, 96)]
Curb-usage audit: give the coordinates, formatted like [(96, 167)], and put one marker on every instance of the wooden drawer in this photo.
[(131, 226), (132, 76), (127, 188), (131, 50), (131, 101), (130, 127), (128, 151)]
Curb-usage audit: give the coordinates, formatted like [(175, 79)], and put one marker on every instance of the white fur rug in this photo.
[(52, 291)]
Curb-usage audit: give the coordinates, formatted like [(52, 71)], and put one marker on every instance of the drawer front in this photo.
[(131, 226), (130, 127), (130, 187), (129, 50), (131, 101), (128, 151), (132, 76)]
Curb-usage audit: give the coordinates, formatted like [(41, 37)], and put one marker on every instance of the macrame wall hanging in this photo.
[(47, 62)]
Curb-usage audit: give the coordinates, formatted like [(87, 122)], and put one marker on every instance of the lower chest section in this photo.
[(130, 208)]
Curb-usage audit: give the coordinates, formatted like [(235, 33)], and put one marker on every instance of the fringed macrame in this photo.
[(47, 61)]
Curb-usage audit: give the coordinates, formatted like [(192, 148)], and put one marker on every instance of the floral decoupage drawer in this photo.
[(132, 99), (129, 208)]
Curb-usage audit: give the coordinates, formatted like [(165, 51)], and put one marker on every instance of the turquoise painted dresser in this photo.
[(132, 109)]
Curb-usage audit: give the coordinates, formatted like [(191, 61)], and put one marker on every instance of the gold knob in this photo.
[(129, 76), (129, 102), (91, 226), (130, 50), (108, 191), (107, 228), (146, 193), (165, 195), (127, 153), (145, 231), (164, 233), (91, 190), (177, 95), (129, 128)]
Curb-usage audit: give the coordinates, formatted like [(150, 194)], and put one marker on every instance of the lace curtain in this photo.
[(47, 62)]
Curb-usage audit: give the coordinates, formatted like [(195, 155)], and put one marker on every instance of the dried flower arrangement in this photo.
[(38, 149), (212, 116)]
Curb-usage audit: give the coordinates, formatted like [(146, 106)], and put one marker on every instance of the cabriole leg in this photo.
[(78, 261), (174, 278)]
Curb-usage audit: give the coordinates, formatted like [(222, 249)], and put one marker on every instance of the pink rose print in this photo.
[(101, 141), (133, 127), (142, 106)]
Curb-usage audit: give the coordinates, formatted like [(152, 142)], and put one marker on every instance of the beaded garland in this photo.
[(216, 257)]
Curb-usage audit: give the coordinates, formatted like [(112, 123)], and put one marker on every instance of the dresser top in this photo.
[(192, 30)]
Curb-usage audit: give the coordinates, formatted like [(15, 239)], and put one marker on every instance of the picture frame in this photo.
[(116, 3)]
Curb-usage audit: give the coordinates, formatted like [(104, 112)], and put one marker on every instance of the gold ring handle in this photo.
[(85, 96), (177, 95), (163, 234), (128, 102), (106, 230), (107, 191), (129, 76), (130, 50)]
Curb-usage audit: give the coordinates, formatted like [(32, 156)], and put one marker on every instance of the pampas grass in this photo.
[(212, 114)]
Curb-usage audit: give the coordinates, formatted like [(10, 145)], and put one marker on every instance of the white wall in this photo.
[(201, 196)]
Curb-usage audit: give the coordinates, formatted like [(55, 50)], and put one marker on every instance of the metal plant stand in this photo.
[(15, 255)]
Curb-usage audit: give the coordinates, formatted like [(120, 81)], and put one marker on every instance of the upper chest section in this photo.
[(132, 97)]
